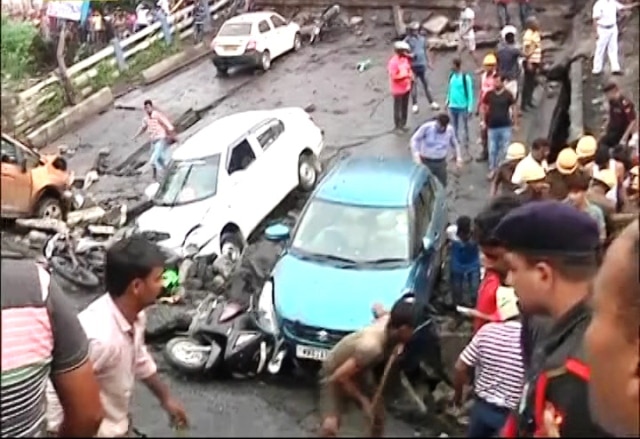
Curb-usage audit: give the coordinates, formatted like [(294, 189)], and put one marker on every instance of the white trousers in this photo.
[(607, 42)]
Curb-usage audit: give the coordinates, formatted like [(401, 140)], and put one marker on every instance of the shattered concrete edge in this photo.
[(70, 117)]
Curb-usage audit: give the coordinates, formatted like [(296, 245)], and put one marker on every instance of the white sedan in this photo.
[(254, 39), (225, 179)]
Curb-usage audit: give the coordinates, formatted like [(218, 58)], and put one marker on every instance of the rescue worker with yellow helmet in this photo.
[(487, 80), (502, 180)]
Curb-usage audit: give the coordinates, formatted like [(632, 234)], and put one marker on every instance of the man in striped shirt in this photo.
[(161, 131), (495, 353), (41, 339)]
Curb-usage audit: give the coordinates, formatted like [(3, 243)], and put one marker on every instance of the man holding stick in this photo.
[(347, 373)]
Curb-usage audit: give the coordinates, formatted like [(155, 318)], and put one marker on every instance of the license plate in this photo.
[(229, 47), (311, 353)]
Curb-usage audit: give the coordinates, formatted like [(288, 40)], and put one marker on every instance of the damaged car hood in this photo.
[(326, 296), (177, 221)]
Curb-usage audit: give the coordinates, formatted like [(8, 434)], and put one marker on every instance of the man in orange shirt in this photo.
[(400, 79)]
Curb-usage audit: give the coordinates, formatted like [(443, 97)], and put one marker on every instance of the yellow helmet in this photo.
[(490, 60), (587, 146), (516, 151), (567, 161), (533, 172), (606, 177)]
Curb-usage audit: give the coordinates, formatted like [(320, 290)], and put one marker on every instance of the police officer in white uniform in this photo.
[(605, 21)]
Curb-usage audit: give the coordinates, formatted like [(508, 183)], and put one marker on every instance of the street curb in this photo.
[(171, 64), (71, 117)]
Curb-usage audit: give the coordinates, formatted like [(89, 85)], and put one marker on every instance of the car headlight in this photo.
[(266, 310)]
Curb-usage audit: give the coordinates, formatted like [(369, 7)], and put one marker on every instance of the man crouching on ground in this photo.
[(347, 372)]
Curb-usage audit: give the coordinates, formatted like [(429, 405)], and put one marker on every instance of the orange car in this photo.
[(33, 185)]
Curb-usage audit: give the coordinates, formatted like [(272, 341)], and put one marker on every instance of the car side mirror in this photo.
[(427, 243), (151, 190), (277, 232)]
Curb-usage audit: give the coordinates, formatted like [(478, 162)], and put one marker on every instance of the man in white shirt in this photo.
[(539, 152), (605, 23), (142, 16), (466, 33)]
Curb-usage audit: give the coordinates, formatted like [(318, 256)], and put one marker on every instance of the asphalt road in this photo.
[(355, 111)]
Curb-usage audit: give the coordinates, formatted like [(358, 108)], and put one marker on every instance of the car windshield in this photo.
[(355, 234), (188, 181), (235, 30)]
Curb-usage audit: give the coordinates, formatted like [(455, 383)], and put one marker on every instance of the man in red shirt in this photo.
[(492, 251), (400, 81)]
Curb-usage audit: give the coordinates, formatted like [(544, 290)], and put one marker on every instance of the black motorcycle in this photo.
[(223, 339)]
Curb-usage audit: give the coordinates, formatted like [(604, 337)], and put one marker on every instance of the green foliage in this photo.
[(54, 105), (153, 54), (17, 58)]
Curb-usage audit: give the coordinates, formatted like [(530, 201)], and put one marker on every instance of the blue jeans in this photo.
[(464, 287), (503, 15), (159, 154), (525, 10), (499, 139), (486, 420), (460, 120)]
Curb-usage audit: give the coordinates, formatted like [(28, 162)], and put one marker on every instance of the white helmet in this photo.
[(508, 29), (401, 46)]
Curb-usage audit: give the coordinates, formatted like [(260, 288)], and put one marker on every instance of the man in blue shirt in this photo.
[(431, 143), (420, 62), (460, 102)]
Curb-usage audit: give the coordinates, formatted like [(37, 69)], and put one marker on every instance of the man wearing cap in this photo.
[(622, 120), (420, 62), (566, 164), (586, 151), (502, 180), (400, 80), (487, 81), (535, 187), (539, 152), (496, 355), (552, 255)]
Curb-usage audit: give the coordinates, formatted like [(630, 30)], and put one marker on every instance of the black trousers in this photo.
[(400, 109), (529, 84)]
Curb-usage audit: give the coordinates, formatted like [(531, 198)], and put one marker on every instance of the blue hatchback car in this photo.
[(372, 230)]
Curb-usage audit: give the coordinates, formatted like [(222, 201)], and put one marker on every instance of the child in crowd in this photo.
[(464, 263)]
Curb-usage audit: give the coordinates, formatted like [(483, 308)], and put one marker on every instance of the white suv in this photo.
[(225, 179), (253, 39)]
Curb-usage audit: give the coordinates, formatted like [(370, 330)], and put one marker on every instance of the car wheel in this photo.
[(50, 208), (231, 246), (265, 60), (297, 42), (307, 172), (222, 71)]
